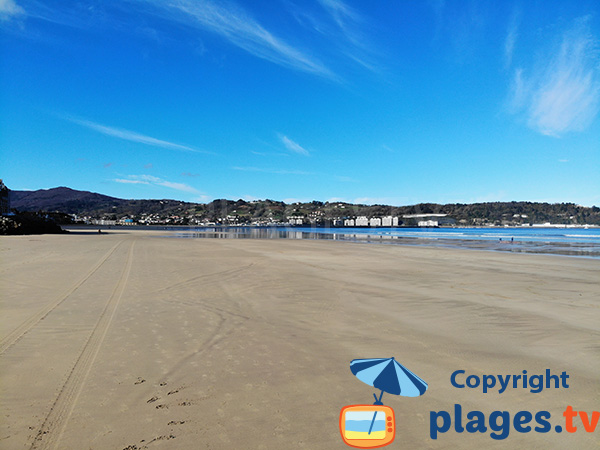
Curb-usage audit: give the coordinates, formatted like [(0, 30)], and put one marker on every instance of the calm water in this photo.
[(559, 241)]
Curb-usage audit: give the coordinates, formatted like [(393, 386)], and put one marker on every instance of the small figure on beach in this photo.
[(99, 231)]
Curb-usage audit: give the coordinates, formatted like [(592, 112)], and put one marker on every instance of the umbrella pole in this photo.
[(377, 402)]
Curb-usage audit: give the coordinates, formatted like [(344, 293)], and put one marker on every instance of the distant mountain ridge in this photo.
[(70, 201), (61, 199), (83, 203)]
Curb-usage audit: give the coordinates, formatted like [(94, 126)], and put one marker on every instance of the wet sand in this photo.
[(130, 341)]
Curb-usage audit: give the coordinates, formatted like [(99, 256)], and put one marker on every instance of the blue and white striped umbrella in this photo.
[(389, 376)]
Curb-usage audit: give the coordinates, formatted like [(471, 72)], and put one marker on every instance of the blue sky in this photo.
[(395, 102)]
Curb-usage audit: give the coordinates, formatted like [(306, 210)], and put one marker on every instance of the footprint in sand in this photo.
[(163, 438)]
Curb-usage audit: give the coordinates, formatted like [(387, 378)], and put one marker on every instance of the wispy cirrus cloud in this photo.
[(292, 146), (343, 27), (10, 9), (155, 181), (343, 15), (273, 171), (235, 24), (132, 136), (239, 28), (81, 15), (511, 37), (561, 93)]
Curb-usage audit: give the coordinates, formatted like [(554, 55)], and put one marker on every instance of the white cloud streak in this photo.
[(85, 15), (341, 13), (511, 37), (240, 29), (10, 9), (293, 146), (562, 93), (155, 181), (342, 27), (132, 136)]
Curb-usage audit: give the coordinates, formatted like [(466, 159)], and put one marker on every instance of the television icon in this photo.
[(367, 426)]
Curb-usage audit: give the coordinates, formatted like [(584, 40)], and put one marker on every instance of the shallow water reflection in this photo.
[(585, 249)]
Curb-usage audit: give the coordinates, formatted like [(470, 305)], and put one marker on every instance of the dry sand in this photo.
[(127, 340)]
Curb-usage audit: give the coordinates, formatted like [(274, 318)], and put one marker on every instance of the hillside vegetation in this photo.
[(93, 205)]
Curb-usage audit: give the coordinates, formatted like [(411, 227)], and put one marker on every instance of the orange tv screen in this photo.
[(367, 426)]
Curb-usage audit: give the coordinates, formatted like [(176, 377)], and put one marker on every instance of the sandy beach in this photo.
[(126, 340)]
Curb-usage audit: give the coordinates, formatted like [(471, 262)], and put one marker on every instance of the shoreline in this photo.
[(420, 238), (521, 247)]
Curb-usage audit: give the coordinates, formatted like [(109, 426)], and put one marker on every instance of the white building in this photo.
[(427, 219), (375, 222), (427, 223), (390, 221), (349, 222), (104, 222), (296, 220), (362, 221)]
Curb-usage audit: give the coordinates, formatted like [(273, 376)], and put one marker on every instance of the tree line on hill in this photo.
[(68, 201)]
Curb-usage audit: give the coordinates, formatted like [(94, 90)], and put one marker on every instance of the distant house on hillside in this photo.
[(4, 200), (296, 220)]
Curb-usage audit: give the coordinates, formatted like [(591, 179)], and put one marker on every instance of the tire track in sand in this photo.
[(49, 434), (24, 328)]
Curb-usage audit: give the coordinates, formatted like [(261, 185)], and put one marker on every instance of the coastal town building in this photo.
[(296, 220), (375, 222), (389, 221), (104, 222), (361, 221), (429, 220)]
